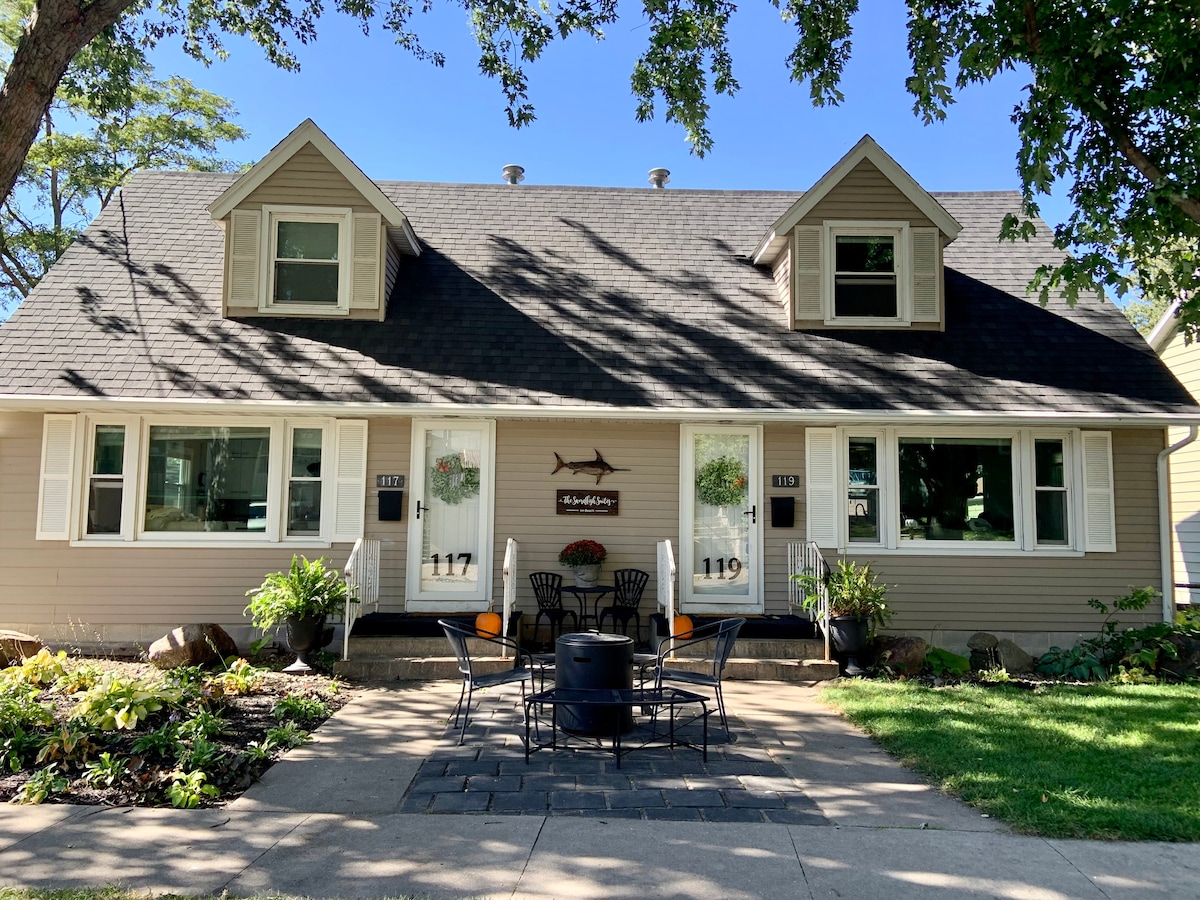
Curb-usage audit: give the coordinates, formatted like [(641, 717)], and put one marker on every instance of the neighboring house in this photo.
[(1183, 358), (225, 368)]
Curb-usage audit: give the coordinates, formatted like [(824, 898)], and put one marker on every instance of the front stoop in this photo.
[(425, 659)]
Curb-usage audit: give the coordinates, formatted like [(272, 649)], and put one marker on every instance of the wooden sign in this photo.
[(785, 481), (389, 481), (587, 503)]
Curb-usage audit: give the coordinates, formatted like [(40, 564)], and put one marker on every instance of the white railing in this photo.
[(510, 586), (806, 559), (362, 577), (666, 584)]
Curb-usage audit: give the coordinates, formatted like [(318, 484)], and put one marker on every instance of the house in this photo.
[(225, 370), (1181, 356)]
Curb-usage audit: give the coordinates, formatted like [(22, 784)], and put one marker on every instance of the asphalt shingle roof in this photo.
[(565, 295)]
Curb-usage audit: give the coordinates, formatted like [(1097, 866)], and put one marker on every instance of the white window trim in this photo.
[(137, 444), (1024, 543), (899, 231), (327, 477), (343, 217)]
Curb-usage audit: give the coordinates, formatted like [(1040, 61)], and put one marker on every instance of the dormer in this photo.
[(308, 234), (861, 249)]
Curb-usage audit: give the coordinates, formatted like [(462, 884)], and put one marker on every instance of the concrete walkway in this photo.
[(327, 822)]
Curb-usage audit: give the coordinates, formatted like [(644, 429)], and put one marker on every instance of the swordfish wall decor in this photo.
[(589, 502), (597, 466)]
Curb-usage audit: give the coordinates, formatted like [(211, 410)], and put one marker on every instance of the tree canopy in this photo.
[(1112, 106)]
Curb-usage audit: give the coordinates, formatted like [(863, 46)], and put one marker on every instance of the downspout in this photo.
[(1166, 541)]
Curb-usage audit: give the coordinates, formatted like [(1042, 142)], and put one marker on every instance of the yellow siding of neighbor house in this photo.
[(1184, 361), (307, 179), (1030, 593), (865, 194), (112, 592)]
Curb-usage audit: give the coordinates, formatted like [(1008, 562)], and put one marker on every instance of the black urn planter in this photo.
[(305, 634), (850, 636)]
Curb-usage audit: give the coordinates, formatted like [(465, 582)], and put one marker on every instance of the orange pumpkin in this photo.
[(683, 627), (488, 624)]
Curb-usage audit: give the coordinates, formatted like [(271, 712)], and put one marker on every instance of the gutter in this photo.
[(1166, 542)]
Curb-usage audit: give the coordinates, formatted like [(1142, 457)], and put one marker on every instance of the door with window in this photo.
[(450, 521), (721, 525)]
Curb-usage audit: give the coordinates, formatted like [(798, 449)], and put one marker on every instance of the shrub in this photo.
[(1076, 664), (939, 662)]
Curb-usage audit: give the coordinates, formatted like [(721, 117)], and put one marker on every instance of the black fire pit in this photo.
[(594, 661)]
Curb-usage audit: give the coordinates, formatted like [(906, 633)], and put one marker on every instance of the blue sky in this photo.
[(406, 120)]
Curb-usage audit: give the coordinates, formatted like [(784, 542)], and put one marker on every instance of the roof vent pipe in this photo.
[(514, 174), (660, 178)]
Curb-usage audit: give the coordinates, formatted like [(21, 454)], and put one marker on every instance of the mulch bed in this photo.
[(247, 720)]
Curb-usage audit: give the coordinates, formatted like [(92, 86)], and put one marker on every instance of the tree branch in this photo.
[(1190, 206)]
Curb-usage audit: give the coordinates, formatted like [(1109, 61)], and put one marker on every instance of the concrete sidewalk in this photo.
[(324, 823)]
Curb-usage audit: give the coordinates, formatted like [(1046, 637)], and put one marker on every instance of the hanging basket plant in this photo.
[(451, 481), (722, 482)]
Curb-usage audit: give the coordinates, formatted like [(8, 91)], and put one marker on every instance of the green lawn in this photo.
[(1099, 761)]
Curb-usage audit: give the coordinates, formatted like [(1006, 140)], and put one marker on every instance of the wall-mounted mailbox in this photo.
[(783, 512), (391, 505)]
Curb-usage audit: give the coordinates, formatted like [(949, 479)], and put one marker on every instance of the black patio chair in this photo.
[(458, 635), (630, 585), (547, 590), (724, 633)]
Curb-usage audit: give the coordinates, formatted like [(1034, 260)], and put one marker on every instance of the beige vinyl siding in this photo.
[(781, 271), (1184, 361), (113, 593), (526, 491), (389, 452), (1031, 593), (783, 454), (308, 178), (866, 194)]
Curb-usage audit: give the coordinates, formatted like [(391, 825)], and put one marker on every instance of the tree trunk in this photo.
[(57, 30)]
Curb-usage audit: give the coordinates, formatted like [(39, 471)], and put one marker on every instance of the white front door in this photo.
[(450, 523), (720, 495)]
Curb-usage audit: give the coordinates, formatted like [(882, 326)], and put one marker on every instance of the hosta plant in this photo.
[(42, 669), (288, 735), (42, 784), (69, 745), (121, 703), (300, 708), (105, 770), (187, 789)]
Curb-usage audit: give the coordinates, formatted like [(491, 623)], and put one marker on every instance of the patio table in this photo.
[(581, 594), (659, 710)]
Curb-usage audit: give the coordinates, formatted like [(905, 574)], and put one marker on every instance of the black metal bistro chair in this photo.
[(724, 632), (547, 589), (458, 635), (630, 585)]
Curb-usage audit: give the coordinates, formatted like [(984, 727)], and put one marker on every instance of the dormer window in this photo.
[(307, 249), (866, 264)]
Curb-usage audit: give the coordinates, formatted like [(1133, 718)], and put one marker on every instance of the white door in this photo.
[(720, 519), (450, 520)]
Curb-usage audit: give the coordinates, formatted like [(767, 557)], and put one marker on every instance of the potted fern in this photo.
[(300, 599), (857, 606)]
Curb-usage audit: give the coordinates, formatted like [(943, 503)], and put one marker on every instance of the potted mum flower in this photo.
[(584, 557)]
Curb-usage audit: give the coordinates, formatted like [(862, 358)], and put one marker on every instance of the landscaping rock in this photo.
[(1012, 658), (15, 646), (981, 640), (1188, 663), (904, 655), (982, 660), (192, 645)]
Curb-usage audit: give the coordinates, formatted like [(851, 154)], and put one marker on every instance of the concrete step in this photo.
[(431, 668), (413, 647)]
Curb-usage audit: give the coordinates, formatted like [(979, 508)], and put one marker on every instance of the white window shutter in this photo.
[(806, 272), (245, 231), (364, 278), (350, 479), (821, 485), (926, 276), (1099, 511), (58, 467)]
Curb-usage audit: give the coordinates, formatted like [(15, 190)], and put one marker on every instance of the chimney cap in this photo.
[(513, 173), (660, 178)]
